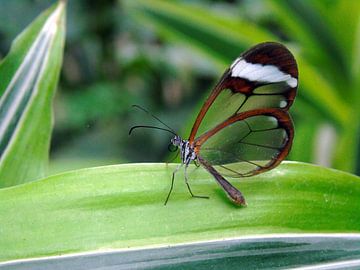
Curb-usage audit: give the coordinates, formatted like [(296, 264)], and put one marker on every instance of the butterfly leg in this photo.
[(196, 164), (188, 186), (172, 182)]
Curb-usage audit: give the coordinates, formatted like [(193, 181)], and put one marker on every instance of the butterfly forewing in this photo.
[(244, 128), (263, 77)]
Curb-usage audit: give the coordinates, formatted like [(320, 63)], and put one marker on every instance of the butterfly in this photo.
[(243, 127)]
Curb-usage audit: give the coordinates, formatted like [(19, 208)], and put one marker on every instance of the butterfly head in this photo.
[(177, 141)]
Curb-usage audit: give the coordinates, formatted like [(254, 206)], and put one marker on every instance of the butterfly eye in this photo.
[(172, 148)]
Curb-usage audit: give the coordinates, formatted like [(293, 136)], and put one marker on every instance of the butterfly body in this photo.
[(243, 127), (187, 151)]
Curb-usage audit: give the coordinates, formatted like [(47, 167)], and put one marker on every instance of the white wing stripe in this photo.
[(261, 73)]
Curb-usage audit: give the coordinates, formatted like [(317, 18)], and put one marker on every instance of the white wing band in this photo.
[(261, 73)]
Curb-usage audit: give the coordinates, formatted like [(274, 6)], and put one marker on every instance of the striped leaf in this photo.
[(121, 207), (29, 75)]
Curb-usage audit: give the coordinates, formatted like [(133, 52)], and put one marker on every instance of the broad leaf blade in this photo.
[(122, 206), (325, 251), (29, 76)]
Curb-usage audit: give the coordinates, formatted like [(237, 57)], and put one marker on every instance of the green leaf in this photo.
[(348, 146), (29, 76), (216, 36), (325, 251), (342, 28), (303, 22), (122, 207), (305, 133), (321, 94)]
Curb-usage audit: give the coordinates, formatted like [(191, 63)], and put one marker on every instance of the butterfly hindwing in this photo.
[(248, 143)]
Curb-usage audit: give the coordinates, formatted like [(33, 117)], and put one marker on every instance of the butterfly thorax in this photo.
[(187, 152)]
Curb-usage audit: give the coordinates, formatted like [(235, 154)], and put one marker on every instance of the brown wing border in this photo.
[(214, 93)]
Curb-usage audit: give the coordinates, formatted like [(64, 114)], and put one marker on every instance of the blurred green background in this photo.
[(166, 56)]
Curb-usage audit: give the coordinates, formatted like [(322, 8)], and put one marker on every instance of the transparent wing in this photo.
[(263, 77), (247, 143)]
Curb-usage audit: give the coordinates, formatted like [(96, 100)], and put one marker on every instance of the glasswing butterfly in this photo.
[(244, 127)]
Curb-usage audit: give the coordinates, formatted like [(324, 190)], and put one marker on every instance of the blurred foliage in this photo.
[(29, 78), (166, 55)]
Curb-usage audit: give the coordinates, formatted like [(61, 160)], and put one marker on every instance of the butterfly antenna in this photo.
[(153, 127), (153, 116)]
